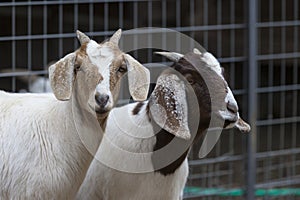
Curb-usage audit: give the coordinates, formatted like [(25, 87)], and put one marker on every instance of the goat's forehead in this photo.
[(98, 51), (212, 63)]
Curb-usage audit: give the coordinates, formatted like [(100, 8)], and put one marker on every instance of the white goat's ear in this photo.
[(138, 79), (116, 37), (168, 105), (173, 56), (83, 38), (61, 75)]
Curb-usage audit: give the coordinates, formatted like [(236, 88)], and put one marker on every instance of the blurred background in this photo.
[(256, 41)]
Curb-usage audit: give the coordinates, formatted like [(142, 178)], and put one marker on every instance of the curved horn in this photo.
[(82, 37), (197, 51), (116, 37), (173, 56)]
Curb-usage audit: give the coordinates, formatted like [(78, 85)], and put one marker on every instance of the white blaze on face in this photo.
[(102, 57), (214, 64)]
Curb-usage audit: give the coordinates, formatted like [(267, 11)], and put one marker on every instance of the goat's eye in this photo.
[(77, 67), (190, 80), (122, 68)]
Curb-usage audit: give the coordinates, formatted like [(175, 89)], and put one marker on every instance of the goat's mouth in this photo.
[(101, 111), (229, 118), (237, 123), (229, 124)]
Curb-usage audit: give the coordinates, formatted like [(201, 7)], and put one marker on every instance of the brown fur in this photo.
[(193, 69)]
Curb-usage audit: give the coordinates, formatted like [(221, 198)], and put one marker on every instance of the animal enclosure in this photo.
[(256, 41)]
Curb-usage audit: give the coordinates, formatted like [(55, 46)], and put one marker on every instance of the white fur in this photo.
[(104, 56), (122, 168), (46, 144), (41, 153), (107, 178), (40, 85)]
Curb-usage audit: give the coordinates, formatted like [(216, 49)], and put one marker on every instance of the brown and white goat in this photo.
[(148, 142), (46, 145)]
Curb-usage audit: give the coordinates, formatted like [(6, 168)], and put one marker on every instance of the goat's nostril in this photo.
[(232, 107), (101, 100)]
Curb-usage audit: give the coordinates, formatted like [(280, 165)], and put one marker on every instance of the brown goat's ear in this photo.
[(138, 79), (168, 105), (173, 56), (61, 75), (116, 37)]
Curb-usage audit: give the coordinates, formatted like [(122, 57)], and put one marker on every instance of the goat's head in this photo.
[(109, 61), (202, 70)]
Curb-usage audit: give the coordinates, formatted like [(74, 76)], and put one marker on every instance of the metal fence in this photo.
[(257, 43)]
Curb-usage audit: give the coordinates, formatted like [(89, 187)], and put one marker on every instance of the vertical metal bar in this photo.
[(60, 29), (270, 94), (135, 14), (232, 77), (232, 42), (164, 21), (252, 62), (192, 20), (219, 54), (135, 25), (45, 43), (106, 13), (149, 25), (295, 80), (205, 22), (29, 44), (75, 22), (282, 82), (91, 16), (219, 32), (178, 24), (13, 43), (121, 13)]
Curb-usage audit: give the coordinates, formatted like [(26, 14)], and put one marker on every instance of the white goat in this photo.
[(143, 154), (46, 146)]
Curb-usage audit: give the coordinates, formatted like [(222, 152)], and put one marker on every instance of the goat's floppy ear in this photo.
[(168, 105), (61, 75), (82, 37), (138, 79), (173, 56), (116, 37)]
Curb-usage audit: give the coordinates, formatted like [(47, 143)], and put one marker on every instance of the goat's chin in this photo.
[(102, 113)]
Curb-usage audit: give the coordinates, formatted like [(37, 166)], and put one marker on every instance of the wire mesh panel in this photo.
[(278, 96), (36, 33)]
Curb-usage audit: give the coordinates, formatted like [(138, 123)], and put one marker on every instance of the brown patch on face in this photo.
[(117, 70), (216, 86), (114, 74), (207, 85)]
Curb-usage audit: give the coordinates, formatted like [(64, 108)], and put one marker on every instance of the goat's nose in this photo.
[(232, 107), (101, 100)]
